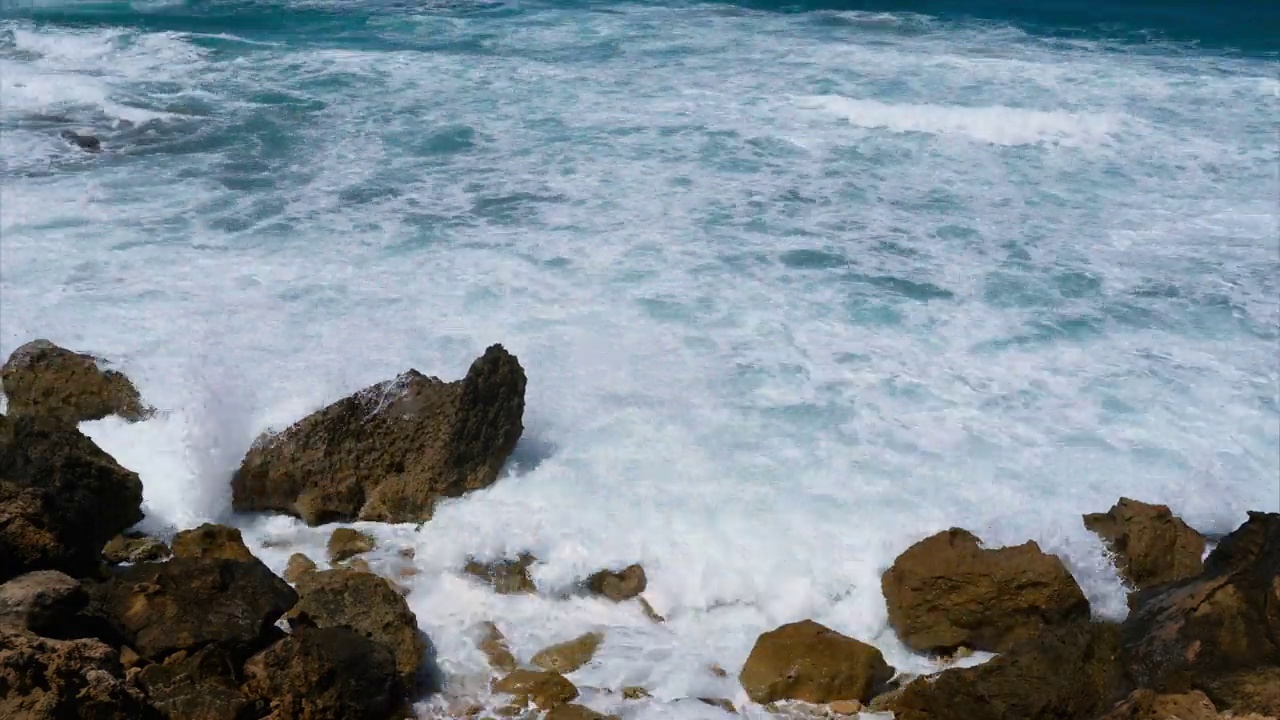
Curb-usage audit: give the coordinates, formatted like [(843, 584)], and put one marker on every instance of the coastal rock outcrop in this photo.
[(947, 591), (390, 451), (218, 542), (1152, 546), (810, 662), (42, 379), (44, 679), (203, 685), (1149, 705), (325, 674), (43, 602), (134, 547)]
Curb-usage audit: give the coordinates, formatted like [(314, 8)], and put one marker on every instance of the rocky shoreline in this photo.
[(97, 621)]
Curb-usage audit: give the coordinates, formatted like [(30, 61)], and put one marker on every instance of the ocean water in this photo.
[(794, 286)]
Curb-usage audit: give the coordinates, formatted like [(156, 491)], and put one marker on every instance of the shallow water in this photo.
[(792, 289)]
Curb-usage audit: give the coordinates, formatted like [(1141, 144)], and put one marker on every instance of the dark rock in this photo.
[(346, 543), (325, 674), (390, 451), (618, 585), (200, 686), (1148, 705), (42, 379), (1151, 545), (1065, 672), (61, 498), (44, 679), (134, 548), (1255, 690), (87, 143), (810, 662), (946, 591), (212, 541), (43, 602), (507, 577)]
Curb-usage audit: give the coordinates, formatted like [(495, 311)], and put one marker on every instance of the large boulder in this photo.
[(43, 679), (61, 498), (947, 591), (325, 674), (810, 662), (390, 451), (1224, 621), (42, 379), (187, 603), (44, 602), (212, 541), (204, 685), (1152, 546), (369, 605), (1066, 672)]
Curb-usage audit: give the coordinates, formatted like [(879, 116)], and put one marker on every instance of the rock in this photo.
[(201, 686), (134, 548), (298, 566), (567, 657), (576, 712), (346, 543), (722, 703), (366, 604), (1065, 672), (507, 577), (212, 541), (946, 591), (186, 603), (618, 585), (88, 143), (810, 662), (325, 674), (545, 688), (1145, 704), (44, 679), (42, 379), (845, 707), (390, 451), (1255, 690), (635, 692), (494, 646), (718, 671), (43, 602), (1151, 545), (1224, 620), (61, 498)]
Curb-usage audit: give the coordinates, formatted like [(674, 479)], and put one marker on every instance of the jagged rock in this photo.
[(507, 577), (634, 692), (88, 143), (368, 605), (44, 679), (42, 379), (544, 688), (347, 543), (134, 548), (947, 591), (61, 498), (568, 656), (390, 451), (494, 646), (186, 603), (811, 662), (43, 602), (1071, 671), (298, 566), (1146, 704), (200, 686), (1225, 620), (215, 542), (325, 674), (573, 711), (1255, 690), (1151, 545), (618, 585)]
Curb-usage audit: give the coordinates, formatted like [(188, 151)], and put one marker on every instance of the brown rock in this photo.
[(722, 703), (42, 379), (1151, 545), (494, 645), (1147, 705), (1069, 671), (946, 591), (61, 498), (134, 548), (545, 688), (357, 564), (1225, 620), (634, 692), (201, 686), (347, 543), (298, 566), (43, 679), (368, 605), (845, 707), (212, 541), (325, 674), (618, 585), (390, 451), (43, 602), (568, 656), (507, 577), (186, 603), (577, 712), (810, 662), (1255, 690)]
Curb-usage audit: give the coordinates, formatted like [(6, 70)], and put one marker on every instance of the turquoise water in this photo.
[(794, 286)]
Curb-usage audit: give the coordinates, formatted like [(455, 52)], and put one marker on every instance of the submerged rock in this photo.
[(346, 543), (494, 646), (390, 451), (546, 688), (811, 662), (43, 602), (44, 380), (217, 542), (85, 142), (325, 674), (618, 585), (946, 591), (507, 577), (1151, 545), (569, 656), (43, 679), (134, 548)]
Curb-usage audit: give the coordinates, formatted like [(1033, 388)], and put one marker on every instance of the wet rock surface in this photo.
[(810, 662), (1151, 545), (41, 379), (325, 674)]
